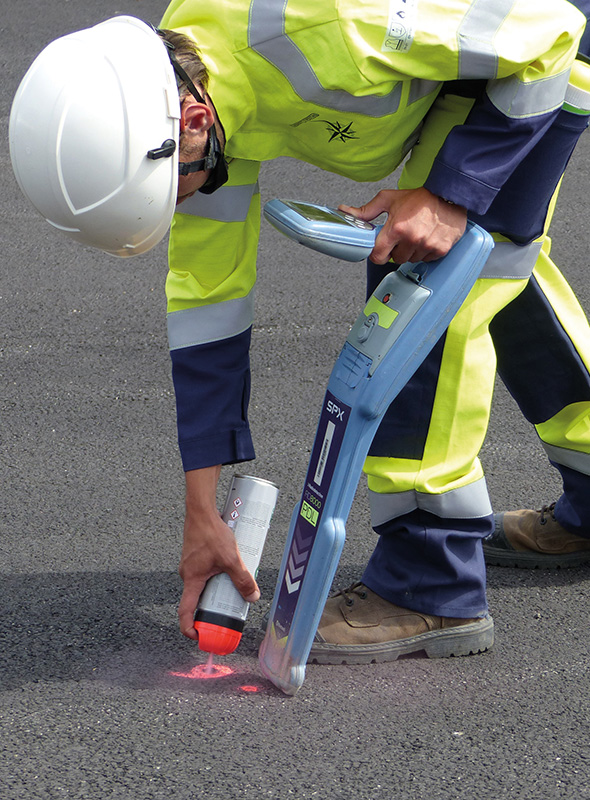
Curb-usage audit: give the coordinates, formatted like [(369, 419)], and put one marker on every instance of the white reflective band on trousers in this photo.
[(466, 502), (574, 459), (509, 261), (205, 324)]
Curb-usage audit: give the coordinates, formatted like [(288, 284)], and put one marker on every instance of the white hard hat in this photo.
[(94, 133)]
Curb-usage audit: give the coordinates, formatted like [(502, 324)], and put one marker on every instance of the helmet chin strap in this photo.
[(213, 159)]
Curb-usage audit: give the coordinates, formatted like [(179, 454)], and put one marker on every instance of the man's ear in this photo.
[(195, 118)]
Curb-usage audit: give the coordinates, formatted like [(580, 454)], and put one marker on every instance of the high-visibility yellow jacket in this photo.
[(344, 85)]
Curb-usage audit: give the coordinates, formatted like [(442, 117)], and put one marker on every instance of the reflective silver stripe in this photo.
[(578, 99), (477, 55), (467, 502), (568, 458), (228, 204), (421, 88), (266, 35), (511, 262), (212, 323), (516, 99)]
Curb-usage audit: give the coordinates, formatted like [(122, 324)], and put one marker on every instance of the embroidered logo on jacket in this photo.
[(337, 131)]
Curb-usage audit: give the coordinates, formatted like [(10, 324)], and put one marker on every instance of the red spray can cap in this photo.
[(217, 639)]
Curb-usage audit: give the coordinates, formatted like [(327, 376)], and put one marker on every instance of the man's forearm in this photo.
[(201, 491)]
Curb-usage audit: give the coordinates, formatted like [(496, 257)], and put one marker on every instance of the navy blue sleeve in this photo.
[(479, 156), (521, 207), (212, 386)]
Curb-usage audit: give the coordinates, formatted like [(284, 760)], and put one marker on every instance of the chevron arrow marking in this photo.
[(296, 572), (291, 587)]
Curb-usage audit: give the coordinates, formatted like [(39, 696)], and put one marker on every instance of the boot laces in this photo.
[(356, 589), (546, 512)]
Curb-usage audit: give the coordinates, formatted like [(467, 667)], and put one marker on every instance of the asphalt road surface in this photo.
[(97, 698)]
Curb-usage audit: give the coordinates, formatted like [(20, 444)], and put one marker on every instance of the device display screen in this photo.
[(316, 213)]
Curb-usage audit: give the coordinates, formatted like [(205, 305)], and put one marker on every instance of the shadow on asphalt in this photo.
[(119, 628)]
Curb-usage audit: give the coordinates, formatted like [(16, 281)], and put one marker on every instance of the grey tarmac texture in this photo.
[(92, 516)]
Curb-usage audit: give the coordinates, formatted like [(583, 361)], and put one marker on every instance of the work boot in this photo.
[(359, 627), (534, 539)]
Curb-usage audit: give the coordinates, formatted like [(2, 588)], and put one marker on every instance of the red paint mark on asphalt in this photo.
[(202, 672)]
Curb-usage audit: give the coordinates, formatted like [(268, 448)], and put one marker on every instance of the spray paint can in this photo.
[(222, 611)]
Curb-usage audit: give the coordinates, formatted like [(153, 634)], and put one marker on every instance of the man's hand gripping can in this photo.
[(222, 611)]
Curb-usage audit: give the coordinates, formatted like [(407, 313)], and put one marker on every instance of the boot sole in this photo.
[(465, 640), (498, 557)]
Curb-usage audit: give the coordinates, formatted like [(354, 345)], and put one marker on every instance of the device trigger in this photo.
[(367, 327)]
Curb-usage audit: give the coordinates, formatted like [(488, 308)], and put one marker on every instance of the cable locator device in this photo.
[(402, 321)]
